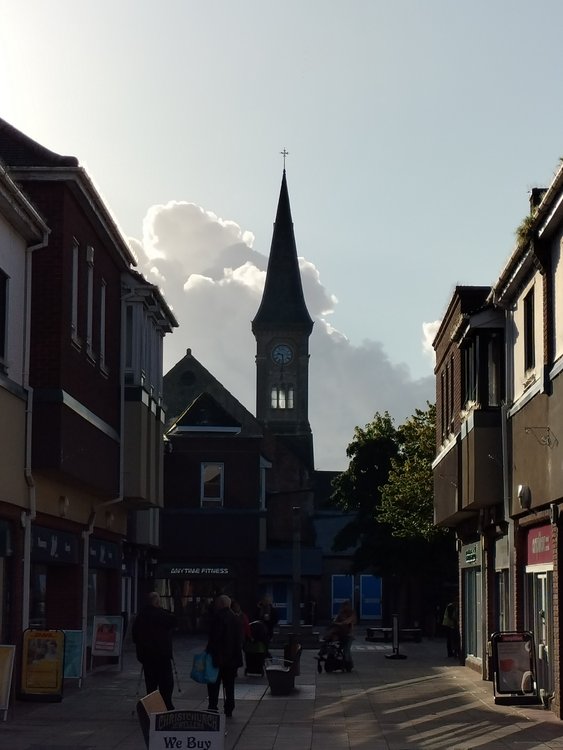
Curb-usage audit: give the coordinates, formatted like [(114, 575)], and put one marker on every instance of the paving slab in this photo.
[(423, 702)]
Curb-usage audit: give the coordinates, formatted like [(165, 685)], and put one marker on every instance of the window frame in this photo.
[(4, 314), (212, 500), (529, 331), (282, 397)]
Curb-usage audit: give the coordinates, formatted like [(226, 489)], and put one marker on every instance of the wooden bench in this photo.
[(378, 633), (281, 674)]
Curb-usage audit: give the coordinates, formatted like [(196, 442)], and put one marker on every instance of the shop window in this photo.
[(38, 596), (472, 612), (212, 484)]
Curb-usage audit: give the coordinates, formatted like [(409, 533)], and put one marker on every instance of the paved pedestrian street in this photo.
[(422, 702)]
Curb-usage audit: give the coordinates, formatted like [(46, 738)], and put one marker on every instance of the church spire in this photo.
[(283, 303)]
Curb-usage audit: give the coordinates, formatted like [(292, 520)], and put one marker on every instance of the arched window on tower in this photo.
[(282, 396)]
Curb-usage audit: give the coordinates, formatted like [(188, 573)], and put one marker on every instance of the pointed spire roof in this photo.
[(283, 303)]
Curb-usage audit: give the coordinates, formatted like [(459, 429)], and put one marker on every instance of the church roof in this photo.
[(205, 414), (188, 380), (19, 150), (283, 303)]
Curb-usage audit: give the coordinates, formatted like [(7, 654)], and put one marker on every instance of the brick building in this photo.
[(92, 387), (498, 472)]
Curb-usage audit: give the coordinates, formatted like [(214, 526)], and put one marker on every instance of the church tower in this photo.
[(282, 327)]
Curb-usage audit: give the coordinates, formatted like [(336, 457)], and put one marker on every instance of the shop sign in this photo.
[(104, 554), (191, 571), (52, 546), (42, 665), (469, 555), (187, 729), (540, 545)]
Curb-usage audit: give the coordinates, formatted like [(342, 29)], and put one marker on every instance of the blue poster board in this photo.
[(73, 663), (342, 589), (370, 597)]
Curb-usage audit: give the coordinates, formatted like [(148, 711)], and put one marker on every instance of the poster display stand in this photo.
[(42, 665), (74, 655), (514, 667), (7, 655), (107, 637)]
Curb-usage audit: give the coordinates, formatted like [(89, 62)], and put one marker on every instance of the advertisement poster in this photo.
[(7, 654), (187, 729), (514, 664), (106, 635), (73, 654), (42, 664)]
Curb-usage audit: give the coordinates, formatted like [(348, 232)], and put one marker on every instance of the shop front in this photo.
[(538, 614), (55, 581), (472, 602), (188, 590)]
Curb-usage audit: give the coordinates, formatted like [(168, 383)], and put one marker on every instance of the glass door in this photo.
[(540, 598)]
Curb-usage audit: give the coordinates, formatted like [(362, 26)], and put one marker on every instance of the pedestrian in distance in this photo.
[(451, 626), (266, 613), (152, 636), (243, 617), (344, 623), (225, 646)]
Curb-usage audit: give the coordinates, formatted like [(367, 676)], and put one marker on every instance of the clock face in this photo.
[(282, 354)]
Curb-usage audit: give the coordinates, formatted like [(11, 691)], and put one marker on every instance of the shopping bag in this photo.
[(202, 668)]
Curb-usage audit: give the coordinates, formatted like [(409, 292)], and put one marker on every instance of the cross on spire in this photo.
[(284, 153)]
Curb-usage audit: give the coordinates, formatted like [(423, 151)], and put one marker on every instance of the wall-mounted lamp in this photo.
[(63, 505), (524, 496), (553, 513)]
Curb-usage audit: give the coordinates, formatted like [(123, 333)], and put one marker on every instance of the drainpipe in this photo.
[(507, 517), (28, 515)]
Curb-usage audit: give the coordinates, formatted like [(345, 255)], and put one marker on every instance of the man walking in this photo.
[(225, 646), (152, 636)]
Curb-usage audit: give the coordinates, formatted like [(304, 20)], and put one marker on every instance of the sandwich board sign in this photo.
[(187, 730), (514, 667)]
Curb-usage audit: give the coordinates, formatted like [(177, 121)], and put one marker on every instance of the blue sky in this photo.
[(415, 131)]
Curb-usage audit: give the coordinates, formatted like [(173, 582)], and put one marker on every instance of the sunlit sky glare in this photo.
[(415, 130)]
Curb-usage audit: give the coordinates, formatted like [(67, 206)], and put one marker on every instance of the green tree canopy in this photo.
[(406, 503), (389, 487)]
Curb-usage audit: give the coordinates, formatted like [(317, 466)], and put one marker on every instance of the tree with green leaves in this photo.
[(406, 502), (388, 486)]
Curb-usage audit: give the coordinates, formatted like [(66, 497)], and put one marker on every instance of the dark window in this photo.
[(529, 343), (494, 370), (3, 315), (451, 395), (469, 357), (212, 484)]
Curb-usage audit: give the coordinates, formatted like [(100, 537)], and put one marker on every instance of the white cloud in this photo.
[(429, 331), (213, 280)]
